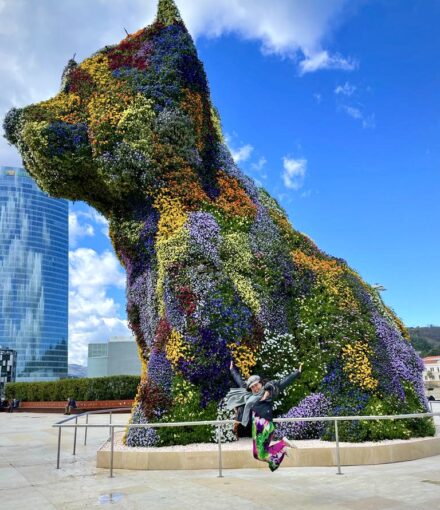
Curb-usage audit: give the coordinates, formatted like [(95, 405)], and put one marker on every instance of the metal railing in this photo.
[(219, 424), (61, 424)]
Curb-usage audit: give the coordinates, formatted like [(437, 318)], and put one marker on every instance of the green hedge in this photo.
[(97, 388)]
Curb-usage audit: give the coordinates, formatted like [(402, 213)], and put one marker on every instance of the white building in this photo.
[(432, 369), (431, 376), (118, 356)]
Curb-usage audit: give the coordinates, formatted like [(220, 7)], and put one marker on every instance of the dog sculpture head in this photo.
[(124, 122)]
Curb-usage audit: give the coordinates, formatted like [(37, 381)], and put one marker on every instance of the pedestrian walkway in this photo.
[(28, 479)]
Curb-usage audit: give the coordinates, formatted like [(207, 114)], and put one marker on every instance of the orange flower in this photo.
[(233, 200), (192, 104)]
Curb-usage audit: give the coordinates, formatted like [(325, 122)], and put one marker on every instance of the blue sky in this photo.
[(332, 105)]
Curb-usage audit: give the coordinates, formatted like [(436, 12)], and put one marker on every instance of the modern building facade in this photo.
[(118, 356), (33, 277), (8, 365)]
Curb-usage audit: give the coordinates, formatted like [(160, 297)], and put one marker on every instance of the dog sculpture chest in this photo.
[(214, 270)]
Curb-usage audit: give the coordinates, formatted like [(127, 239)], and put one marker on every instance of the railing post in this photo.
[(85, 430), (338, 457), (59, 447), (110, 421), (74, 436), (112, 447), (219, 439)]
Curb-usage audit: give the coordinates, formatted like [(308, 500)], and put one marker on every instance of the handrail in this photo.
[(276, 420), (99, 411), (219, 424)]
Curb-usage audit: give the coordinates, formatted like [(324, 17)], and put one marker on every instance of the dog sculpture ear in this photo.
[(71, 65), (167, 13)]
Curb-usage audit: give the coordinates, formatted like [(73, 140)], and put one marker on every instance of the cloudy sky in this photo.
[(332, 105)]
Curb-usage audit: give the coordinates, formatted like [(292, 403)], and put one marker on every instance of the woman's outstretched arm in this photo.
[(236, 376), (286, 381)]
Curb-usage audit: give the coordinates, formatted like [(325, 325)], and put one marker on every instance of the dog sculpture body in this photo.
[(215, 272)]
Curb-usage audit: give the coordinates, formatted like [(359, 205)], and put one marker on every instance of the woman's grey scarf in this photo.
[(238, 397)]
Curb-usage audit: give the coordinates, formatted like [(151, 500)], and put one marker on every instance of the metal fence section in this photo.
[(66, 423)]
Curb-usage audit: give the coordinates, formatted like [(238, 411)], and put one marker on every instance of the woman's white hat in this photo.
[(253, 379)]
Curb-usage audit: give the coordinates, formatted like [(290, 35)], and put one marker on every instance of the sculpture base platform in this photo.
[(238, 455)]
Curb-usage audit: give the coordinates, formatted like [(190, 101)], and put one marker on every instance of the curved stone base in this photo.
[(239, 455)]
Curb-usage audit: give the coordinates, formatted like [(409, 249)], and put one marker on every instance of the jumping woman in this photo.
[(254, 401)]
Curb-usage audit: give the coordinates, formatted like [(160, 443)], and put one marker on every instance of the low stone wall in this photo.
[(82, 406), (239, 455)]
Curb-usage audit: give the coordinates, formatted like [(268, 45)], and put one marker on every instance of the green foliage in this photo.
[(379, 430), (98, 388), (186, 398), (426, 340)]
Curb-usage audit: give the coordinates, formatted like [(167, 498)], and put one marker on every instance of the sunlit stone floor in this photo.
[(28, 479)]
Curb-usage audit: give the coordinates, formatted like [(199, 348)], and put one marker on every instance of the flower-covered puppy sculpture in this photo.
[(215, 272)]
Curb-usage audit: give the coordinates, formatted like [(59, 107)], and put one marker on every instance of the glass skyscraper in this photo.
[(33, 277)]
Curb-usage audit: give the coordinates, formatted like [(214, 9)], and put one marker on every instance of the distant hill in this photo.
[(77, 370), (426, 340)]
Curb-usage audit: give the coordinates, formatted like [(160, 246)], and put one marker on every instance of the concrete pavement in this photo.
[(28, 479)]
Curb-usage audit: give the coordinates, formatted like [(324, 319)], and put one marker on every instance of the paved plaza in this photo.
[(28, 479)]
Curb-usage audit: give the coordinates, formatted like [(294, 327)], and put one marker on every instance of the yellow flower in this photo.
[(329, 274), (357, 365), (171, 240), (176, 348), (243, 358), (172, 216)]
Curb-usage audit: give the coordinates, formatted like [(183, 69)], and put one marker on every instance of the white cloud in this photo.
[(78, 230), (259, 166), (353, 112), (323, 60), (318, 98), (94, 216), (39, 37), (89, 270), (284, 27), (257, 171), (367, 121), (294, 172), (242, 154), (346, 90), (93, 314)]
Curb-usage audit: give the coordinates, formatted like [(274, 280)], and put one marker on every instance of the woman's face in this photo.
[(255, 388)]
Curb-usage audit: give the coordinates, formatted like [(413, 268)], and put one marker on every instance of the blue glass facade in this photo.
[(33, 277)]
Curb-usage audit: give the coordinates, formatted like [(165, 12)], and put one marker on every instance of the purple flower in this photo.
[(142, 294), (204, 236), (316, 404), (396, 361), (140, 436), (160, 371), (209, 369)]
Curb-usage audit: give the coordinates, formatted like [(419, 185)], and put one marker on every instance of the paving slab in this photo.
[(28, 479)]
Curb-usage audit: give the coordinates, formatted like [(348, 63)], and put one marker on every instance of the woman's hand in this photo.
[(231, 366), (265, 395), (300, 367)]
